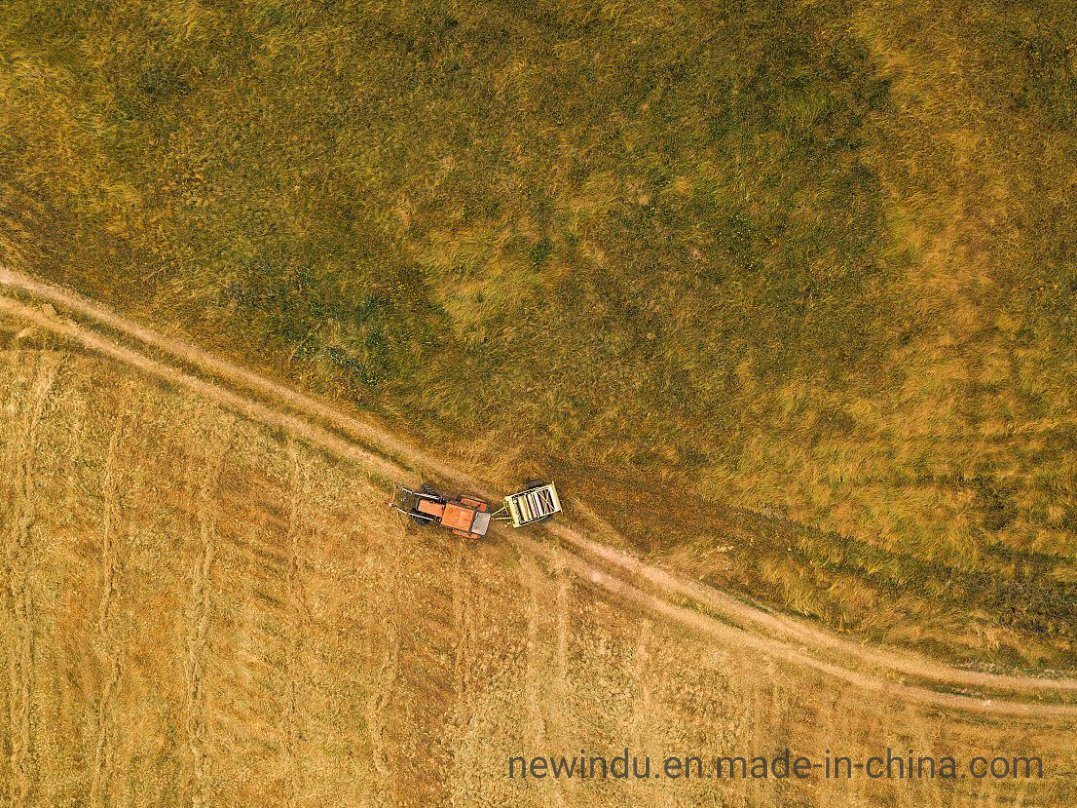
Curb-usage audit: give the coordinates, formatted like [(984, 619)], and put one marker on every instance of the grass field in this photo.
[(200, 611), (802, 274)]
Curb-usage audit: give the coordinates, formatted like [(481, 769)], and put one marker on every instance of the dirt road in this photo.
[(701, 609)]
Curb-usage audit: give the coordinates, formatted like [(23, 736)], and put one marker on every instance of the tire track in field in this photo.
[(643, 701), (385, 684), (563, 610), (297, 600), (105, 734), (464, 642), (534, 581), (197, 624), (18, 600), (529, 575), (464, 630), (711, 611)]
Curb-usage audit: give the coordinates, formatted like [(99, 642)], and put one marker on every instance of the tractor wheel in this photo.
[(426, 488), (418, 521)]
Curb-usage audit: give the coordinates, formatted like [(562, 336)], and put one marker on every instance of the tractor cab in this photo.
[(466, 516)]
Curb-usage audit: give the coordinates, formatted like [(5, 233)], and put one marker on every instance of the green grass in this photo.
[(804, 274)]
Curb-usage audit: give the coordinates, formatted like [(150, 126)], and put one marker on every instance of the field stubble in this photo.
[(200, 610)]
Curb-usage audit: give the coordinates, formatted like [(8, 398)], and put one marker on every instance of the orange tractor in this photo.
[(470, 516)]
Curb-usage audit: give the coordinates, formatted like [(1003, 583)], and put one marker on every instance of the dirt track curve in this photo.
[(700, 608)]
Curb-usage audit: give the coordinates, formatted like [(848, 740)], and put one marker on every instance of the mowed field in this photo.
[(198, 610)]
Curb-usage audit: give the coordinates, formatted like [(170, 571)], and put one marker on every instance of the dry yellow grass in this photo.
[(200, 611)]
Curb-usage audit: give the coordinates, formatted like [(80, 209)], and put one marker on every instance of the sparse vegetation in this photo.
[(805, 269)]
